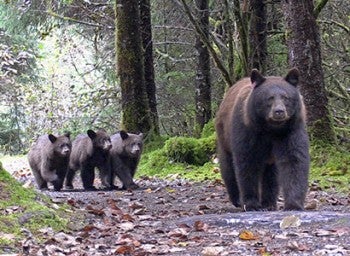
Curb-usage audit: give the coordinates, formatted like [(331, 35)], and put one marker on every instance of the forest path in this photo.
[(178, 217)]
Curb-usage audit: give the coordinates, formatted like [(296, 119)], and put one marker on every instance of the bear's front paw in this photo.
[(251, 205), (293, 207), (132, 186), (92, 188)]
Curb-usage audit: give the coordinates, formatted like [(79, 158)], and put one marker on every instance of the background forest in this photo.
[(63, 65)]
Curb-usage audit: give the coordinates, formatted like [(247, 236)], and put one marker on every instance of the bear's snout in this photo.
[(279, 114), (65, 151), (107, 145), (278, 111)]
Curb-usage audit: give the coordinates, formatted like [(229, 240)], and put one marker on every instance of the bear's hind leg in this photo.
[(269, 188), (229, 177)]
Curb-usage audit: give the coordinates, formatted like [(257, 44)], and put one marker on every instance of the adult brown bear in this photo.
[(263, 142)]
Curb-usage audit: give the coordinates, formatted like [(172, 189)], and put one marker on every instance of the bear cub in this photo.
[(263, 143), (89, 151), (125, 156), (48, 159)]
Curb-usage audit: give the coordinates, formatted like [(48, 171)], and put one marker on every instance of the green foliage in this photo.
[(27, 209), (208, 129), (183, 156), (156, 163), (330, 166), (190, 150)]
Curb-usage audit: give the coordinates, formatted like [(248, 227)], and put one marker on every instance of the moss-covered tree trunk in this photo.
[(147, 43), (303, 41), (130, 67), (202, 83), (257, 35)]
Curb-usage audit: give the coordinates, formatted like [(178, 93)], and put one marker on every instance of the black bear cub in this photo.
[(263, 143), (48, 158), (125, 156), (89, 151)]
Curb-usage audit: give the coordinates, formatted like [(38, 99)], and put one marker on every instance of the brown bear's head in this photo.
[(275, 101), (61, 145), (132, 143), (100, 139)]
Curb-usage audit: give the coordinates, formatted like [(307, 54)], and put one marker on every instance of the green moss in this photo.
[(330, 166), (25, 208), (190, 150), (157, 164), (208, 129)]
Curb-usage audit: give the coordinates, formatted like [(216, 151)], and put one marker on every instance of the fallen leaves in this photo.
[(147, 222)]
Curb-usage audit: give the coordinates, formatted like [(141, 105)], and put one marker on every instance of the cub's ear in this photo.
[(67, 134), (141, 135), (293, 76), (124, 135), (256, 78), (91, 134), (52, 138)]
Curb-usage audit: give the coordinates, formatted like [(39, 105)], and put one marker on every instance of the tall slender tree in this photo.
[(202, 83), (130, 67), (303, 41), (257, 35), (147, 43)]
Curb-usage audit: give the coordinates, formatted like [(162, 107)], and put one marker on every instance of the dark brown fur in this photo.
[(89, 151), (125, 156), (263, 143), (49, 158)]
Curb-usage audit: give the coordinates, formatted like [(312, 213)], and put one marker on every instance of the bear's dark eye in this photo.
[(285, 97)]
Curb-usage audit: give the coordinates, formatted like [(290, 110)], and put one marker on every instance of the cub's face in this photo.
[(100, 139), (132, 143), (62, 145)]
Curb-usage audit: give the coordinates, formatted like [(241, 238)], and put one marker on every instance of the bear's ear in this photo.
[(293, 76), (91, 134), (124, 135), (67, 134), (256, 78), (52, 138)]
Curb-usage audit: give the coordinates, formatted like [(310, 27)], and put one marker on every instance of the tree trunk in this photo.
[(146, 34), (202, 83), (303, 41), (257, 35), (130, 67), (241, 18)]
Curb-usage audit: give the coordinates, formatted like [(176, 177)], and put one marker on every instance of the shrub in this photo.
[(190, 150)]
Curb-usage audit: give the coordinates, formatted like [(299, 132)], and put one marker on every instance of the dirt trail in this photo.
[(177, 217)]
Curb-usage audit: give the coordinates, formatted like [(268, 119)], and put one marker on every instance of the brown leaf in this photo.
[(88, 228), (127, 217), (124, 249), (136, 205), (203, 207), (95, 211), (200, 226), (71, 202), (247, 235)]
